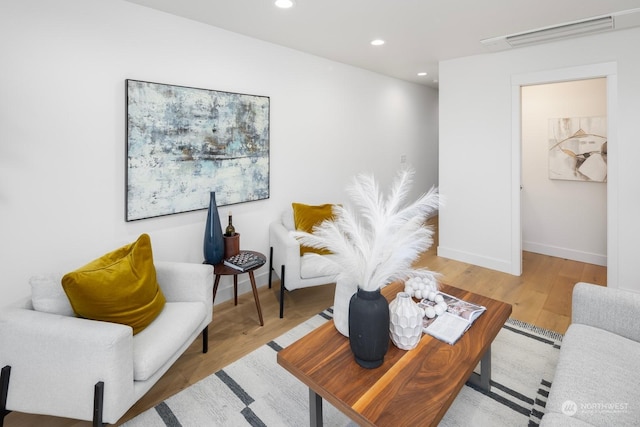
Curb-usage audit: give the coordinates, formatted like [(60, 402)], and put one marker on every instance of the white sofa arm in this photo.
[(286, 249), (82, 352), (186, 282), (614, 310)]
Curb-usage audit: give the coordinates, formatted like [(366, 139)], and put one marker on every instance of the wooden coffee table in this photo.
[(414, 387)]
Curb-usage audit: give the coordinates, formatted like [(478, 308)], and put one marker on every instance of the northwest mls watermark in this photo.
[(570, 408)]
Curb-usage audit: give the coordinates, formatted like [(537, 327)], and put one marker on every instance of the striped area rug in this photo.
[(256, 391)]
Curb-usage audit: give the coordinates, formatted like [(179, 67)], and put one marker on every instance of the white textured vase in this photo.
[(405, 324), (341, 298)]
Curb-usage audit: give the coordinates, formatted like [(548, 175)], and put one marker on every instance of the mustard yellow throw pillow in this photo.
[(118, 287), (305, 217)]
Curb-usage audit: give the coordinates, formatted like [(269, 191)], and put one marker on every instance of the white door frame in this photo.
[(609, 71)]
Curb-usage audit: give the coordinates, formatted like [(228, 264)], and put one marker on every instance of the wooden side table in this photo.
[(222, 270)]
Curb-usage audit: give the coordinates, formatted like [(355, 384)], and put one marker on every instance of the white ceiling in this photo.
[(418, 33)]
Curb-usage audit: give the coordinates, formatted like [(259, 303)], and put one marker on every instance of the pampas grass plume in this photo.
[(378, 241)]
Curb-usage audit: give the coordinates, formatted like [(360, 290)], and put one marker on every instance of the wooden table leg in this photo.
[(235, 289), (255, 296), (315, 409), (216, 282)]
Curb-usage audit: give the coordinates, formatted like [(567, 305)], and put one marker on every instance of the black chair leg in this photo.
[(4, 390), (282, 292), (98, 402), (270, 265), (205, 339)]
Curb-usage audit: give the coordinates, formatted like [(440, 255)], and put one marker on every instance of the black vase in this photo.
[(213, 240), (369, 327)]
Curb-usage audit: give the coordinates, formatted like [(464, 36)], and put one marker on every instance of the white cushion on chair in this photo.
[(315, 265), (164, 336)]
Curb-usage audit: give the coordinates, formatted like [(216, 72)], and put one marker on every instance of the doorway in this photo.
[(607, 71), (564, 194)]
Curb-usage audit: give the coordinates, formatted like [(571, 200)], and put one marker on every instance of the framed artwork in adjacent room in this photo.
[(184, 142), (578, 149)]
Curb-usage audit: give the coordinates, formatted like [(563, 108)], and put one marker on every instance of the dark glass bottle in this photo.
[(230, 230)]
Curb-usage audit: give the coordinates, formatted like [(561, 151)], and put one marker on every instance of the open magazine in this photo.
[(451, 324)]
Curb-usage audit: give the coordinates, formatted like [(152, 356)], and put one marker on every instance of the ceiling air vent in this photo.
[(615, 21), (561, 32)]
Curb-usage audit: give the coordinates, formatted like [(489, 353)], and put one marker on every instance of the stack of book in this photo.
[(244, 261)]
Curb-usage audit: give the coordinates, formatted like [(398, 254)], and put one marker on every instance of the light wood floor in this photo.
[(541, 296)]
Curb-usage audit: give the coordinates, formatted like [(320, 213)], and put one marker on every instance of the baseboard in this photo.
[(475, 259), (505, 266), (572, 254)]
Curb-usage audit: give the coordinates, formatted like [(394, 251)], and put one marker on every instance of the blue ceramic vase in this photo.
[(213, 240), (369, 327)]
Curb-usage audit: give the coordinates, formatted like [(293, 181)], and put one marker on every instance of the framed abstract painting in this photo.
[(578, 149), (184, 142)]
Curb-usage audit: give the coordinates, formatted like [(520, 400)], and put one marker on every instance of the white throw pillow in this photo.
[(48, 296), (287, 219)]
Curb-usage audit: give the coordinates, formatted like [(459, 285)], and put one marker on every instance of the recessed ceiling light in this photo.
[(284, 4), (422, 73), (377, 42)]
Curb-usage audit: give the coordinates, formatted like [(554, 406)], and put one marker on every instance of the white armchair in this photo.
[(295, 271), (66, 366)]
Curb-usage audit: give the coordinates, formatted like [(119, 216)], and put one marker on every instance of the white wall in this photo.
[(476, 144), (566, 219), (62, 130)]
